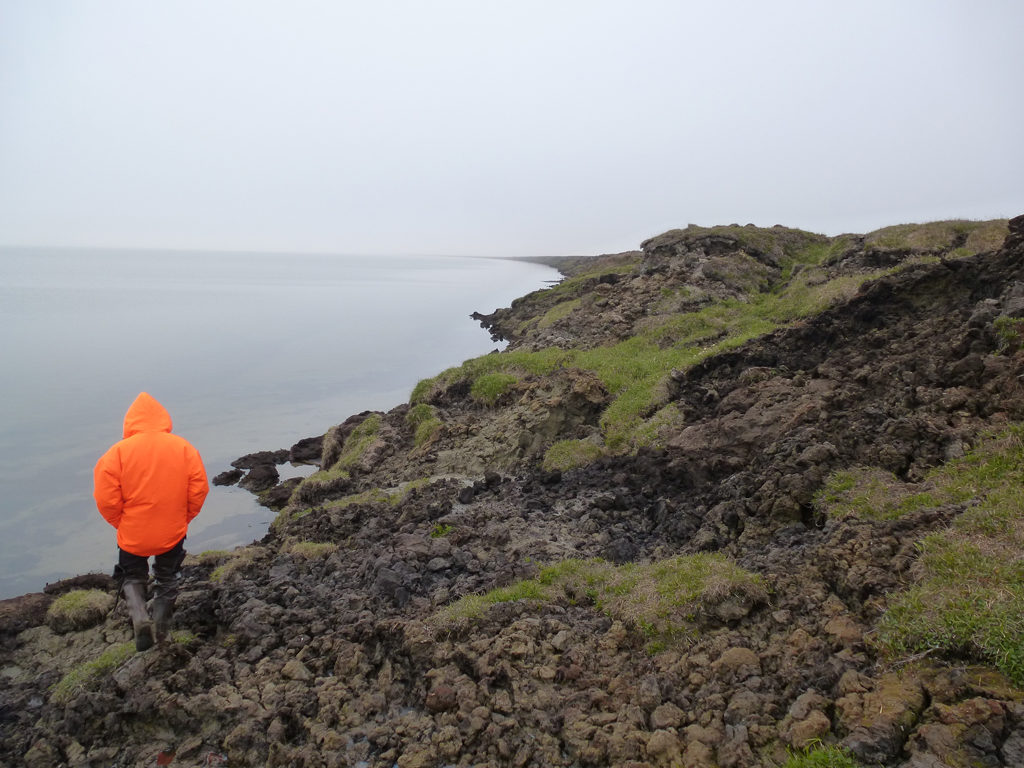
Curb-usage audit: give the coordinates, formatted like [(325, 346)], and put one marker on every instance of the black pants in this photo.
[(136, 568)]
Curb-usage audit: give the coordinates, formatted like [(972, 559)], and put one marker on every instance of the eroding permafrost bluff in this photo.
[(745, 497)]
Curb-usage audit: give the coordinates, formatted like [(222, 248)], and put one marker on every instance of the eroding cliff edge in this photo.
[(676, 522)]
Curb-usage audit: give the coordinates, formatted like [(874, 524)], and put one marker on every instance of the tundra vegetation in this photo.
[(747, 497)]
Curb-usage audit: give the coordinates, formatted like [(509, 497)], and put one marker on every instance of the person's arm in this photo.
[(198, 486), (107, 487)]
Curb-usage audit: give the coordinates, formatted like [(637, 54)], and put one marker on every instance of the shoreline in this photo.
[(234, 506)]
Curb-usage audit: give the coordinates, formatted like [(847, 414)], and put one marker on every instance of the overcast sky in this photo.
[(499, 128)]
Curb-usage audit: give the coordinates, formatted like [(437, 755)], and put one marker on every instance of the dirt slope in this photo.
[(729, 619)]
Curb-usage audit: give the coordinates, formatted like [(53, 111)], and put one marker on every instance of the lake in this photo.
[(246, 351)]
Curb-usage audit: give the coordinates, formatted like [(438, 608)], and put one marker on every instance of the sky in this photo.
[(499, 128)]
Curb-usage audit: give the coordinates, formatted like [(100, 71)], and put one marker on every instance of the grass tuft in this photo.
[(78, 609), (821, 757), (570, 454), (424, 422), (240, 558), (664, 600), (90, 675), (488, 387), (311, 550), (968, 601)]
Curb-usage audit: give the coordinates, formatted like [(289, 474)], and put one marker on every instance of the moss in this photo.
[(663, 600), (91, 674), (569, 454)]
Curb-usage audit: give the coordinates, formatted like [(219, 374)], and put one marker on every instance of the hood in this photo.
[(146, 415)]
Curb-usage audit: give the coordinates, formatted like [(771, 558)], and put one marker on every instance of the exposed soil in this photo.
[(336, 658)]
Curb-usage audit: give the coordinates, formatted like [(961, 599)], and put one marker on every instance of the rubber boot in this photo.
[(165, 592), (135, 599), (163, 612)]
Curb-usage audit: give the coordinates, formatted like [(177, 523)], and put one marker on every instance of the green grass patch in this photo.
[(558, 312), (968, 602), (573, 287), (864, 492), (389, 496), (569, 454), (519, 362), (424, 422), (356, 443), (78, 609), (207, 557), (488, 387), (821, 757), (239, 559), (991, 473), (90, 675), (1010, 331), (311, 550), (662, 600), (978, 236), (440, 530), (634, 370), (777, 241)]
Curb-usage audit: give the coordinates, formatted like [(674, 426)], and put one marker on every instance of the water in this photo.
[(246, 351)]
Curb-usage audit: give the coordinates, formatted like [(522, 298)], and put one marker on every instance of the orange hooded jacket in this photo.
[(151, 484)]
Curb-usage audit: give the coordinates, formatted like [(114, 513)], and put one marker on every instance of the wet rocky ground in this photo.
[(328, 644)]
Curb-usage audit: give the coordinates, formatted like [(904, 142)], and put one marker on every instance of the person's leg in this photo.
[(133, 572), (166, 568)]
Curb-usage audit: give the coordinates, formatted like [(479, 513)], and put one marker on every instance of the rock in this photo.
[(666, 715), (737, 663), (229, 477), (846, 632), (19, 613), (296, 670), (259, 458), (41, 755), (620, 550), (260, 478), (442, 698), (663, 747), (280, 495), (880, 720), (86, 581), (307, 450), (808, 730)]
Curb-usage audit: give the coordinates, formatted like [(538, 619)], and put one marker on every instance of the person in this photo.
[(149, 486)]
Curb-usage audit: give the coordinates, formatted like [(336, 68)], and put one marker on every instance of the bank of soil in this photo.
[(327, 644)]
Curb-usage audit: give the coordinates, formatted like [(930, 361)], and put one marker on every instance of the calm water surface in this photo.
[(247, 351)]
